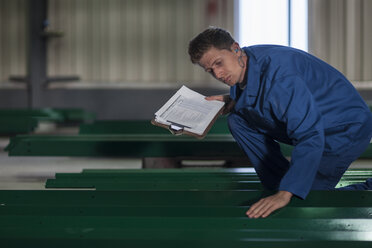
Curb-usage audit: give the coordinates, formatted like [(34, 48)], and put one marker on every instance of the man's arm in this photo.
[(292, 104), (229, 103), (270, 164)]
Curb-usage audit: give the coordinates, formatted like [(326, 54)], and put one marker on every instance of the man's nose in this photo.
[(218, 73)]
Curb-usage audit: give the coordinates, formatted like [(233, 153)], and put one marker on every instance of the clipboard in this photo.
[(179, 129)]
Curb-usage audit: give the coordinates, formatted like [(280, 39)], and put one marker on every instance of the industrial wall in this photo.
[(131, 41), (340, 33), (131, 55)]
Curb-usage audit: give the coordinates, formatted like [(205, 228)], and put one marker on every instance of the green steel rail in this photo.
[(144, 127), (147, 180), (17, 125), (56, 114), (75, 218), (72, 115), (176, 179), (54, 199), (122, 146), (20, 121), (135, 146), (37, 113), (141, 128), (120, 127)]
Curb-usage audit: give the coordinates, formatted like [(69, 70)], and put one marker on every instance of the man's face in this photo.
[(223, 65)]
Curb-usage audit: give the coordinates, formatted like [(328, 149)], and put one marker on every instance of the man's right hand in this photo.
[(229, 103)]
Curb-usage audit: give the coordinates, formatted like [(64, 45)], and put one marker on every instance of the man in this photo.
[(283, 94)]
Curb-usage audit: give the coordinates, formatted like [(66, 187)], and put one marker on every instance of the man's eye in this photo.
[(218, 63)]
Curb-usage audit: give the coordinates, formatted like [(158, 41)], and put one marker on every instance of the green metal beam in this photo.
[(71, 115), (154, 186), (47, 113), (123, 146), (22, 121), (81, 218), (120, 127), (169, 238), (176, 179), (168, 219), (17, 125), (136, 146), (63, 198)]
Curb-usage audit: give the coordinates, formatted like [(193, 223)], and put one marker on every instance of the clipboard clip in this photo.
[(176, 129)]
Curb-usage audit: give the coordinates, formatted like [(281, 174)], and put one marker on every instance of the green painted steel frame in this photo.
[(59, 218), (17, 125), (176, 179), (136, 146), (21, 121), (120, 127)]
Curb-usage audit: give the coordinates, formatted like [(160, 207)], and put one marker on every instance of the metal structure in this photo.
[(215, 145), (175, 180), (22, 121), (188, 217)]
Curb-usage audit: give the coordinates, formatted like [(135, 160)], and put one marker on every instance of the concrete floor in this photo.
[(32, 172)]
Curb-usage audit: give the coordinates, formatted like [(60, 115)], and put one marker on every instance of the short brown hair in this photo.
[(211, 37)]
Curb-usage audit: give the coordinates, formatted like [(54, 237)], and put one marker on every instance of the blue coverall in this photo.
[(295, 98)]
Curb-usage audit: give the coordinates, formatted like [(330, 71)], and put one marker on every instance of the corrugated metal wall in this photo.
[(145, 41), (12, 38), (340, 33), (141, 41), (132, 40)]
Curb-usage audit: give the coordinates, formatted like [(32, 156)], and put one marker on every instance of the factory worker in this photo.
[(281, 94)]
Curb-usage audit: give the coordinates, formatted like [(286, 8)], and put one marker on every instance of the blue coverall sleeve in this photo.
[(293, 104)]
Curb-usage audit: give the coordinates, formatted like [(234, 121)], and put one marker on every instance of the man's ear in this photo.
[(235, 47)]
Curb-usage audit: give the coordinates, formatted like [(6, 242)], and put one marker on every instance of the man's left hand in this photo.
[(267, 205)]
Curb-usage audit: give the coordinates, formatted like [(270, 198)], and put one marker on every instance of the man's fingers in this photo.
[(229, 103), (218, 98), (269, 211), (263, 210), (255, 208), (266, 206)]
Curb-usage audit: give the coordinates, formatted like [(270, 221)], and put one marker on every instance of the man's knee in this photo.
[(236, 123), (232, 120)]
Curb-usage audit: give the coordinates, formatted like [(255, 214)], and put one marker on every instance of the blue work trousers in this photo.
[(270, 165)]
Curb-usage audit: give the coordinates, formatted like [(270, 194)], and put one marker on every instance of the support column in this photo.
[(37, 53)]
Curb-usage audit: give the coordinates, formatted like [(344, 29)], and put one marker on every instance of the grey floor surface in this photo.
[(32, 172)]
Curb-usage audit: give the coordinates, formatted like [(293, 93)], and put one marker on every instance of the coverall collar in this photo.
[(249, 94), (253, 79)]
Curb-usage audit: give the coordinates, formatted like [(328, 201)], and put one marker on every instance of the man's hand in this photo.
[(229, 103), (266, 206)]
